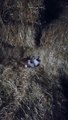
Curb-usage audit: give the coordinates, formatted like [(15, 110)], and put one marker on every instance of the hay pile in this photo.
[(32, 93)]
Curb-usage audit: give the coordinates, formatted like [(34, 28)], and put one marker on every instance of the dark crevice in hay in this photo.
[(1, 55), (58, 106), (64, 84), (1, 5), (38, 34), (50, 11)]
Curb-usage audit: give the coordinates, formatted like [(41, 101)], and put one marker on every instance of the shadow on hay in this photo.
[(51, 11), (64, 84)]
